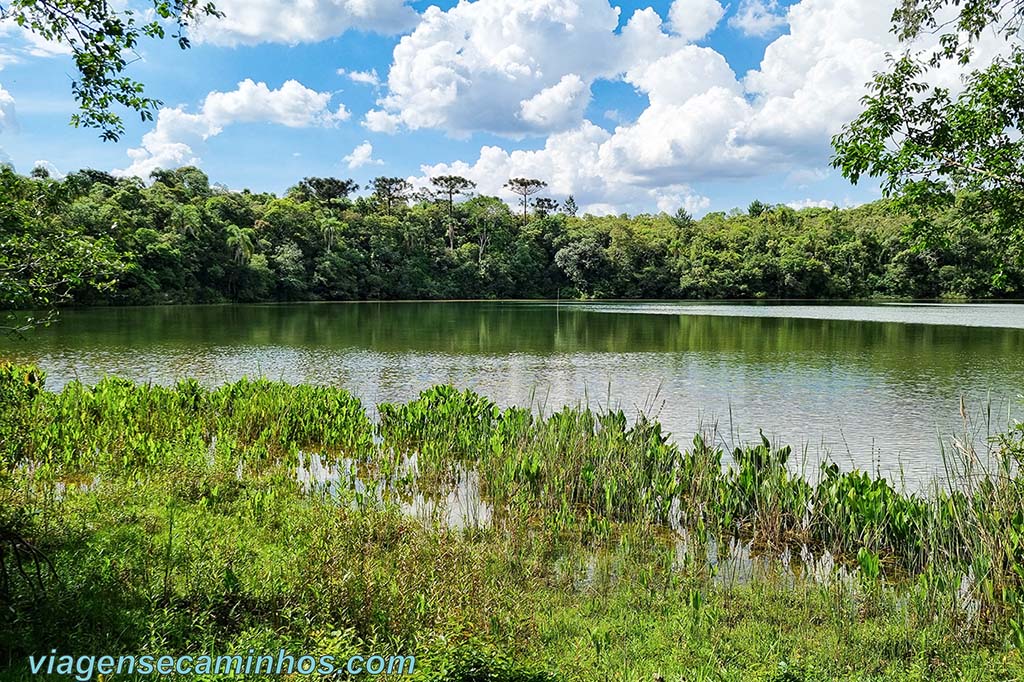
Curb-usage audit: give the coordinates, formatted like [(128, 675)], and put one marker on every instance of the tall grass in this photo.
[(171, 518)]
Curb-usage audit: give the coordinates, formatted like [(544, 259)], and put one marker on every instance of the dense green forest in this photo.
[(180, 239)]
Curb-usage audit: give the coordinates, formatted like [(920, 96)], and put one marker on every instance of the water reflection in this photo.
[(456, 506), (876, 395)]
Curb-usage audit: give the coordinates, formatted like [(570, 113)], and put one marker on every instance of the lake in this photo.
[(873, 386)]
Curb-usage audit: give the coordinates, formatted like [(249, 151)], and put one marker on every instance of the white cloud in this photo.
[(41, 47), (559, 106), (761, 17), (614, 115), (694, 19), (18, 43), (169, 143), (520, 67), (685, 142), (811, 203), (500, 65), (694, 204), (810, 81), (803, 177), (471, 67), (248, 22), (381, 121), (362, 77), (683, 74), (8, 118), (570, 162), (50, 168), (26, 44), (362, 155), (293, 105)]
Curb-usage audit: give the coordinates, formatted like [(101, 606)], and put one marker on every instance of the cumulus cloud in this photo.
[(362, 77), (570, 162), (513, 68), (54, 172), (8, 119), (521, 67), (558, 106), (761, 18), (169, 143), (249, 22), (694, 19), (381, 122), (292, 105), (362, 155), (811, 203)]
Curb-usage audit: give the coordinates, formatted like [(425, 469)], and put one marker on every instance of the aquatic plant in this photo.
[(174, 515)]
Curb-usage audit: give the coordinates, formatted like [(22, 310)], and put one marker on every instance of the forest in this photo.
[(181, 239)]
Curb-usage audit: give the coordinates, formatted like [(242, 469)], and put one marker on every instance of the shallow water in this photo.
[(874, 386)]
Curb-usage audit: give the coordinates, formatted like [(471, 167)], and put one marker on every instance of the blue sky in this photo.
[(692, 103)]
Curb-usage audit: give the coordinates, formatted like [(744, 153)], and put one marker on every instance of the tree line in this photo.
[(950, 225), (180, 239)]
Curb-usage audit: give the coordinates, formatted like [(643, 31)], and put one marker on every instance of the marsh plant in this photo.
[(181, 519)]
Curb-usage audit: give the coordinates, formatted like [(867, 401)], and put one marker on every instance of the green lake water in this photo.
[(875, 386)]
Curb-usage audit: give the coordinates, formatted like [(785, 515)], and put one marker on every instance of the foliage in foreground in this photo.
[(492, 544), (933, 147), (101, 38)]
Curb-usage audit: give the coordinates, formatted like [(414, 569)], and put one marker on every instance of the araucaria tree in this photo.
[(390, 191), (570, 208), (525, 188), (90, 238), (450, 186), (324, 191), (934, 150), (545, 206)]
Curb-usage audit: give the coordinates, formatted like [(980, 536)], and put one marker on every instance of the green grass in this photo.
[(144, 519)]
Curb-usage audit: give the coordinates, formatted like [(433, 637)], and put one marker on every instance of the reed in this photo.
[(176, 519)]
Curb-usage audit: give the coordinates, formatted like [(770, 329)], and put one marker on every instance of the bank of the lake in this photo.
[(872, 386), (491, 544), (183, 240)]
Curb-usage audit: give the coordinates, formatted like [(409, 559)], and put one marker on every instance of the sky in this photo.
[(631, 107)]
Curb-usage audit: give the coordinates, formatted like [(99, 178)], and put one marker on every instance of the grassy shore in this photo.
[(491, 544)]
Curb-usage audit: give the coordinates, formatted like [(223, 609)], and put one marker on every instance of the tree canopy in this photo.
[(390, 191), (46, 261), (324, 191), (525, 188), (451, 186), (932, 148), (183, 240)]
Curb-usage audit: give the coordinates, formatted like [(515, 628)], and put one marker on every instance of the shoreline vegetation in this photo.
[(93, 239), (501, 544), (948, 300), (492, 544)]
